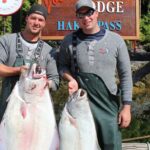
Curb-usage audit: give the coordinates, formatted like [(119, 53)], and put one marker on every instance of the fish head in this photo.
[(78, 103), (78, 96), (33, 80)]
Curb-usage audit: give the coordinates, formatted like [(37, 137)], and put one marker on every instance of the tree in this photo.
[(145, 5)]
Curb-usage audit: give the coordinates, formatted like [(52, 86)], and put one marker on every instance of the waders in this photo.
[(104, 107)]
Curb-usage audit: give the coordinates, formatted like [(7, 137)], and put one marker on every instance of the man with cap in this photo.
[(89, 58), (18, 50)]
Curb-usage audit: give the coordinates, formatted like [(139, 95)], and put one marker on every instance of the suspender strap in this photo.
[(74, 51), (37, 52), (19, 46)]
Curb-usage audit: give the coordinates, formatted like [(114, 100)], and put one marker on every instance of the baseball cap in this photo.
[(38, 9), (85, 3)]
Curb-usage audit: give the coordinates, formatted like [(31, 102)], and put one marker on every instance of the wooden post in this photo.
[(133, 45), (135, 146)]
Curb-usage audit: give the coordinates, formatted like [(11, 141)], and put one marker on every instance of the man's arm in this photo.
[(6, 71), (64, 62), (125, 75)]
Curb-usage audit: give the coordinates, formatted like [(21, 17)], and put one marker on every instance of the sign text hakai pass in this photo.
[(121, 16)]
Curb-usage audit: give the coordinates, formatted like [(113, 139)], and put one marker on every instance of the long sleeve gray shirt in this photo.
[(102, 57), (8, 56)]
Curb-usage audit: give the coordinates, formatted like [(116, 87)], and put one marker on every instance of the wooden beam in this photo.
[(135, 146)]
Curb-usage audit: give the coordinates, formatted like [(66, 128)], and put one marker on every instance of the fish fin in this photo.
[(73, 122), (23, 110)]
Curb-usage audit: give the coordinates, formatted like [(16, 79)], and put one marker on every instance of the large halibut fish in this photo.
[(76, 126), (29, 120)]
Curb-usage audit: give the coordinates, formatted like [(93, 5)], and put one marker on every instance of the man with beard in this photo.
[(18, 50)]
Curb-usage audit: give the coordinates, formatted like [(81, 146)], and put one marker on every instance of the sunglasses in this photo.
[(88, 13)]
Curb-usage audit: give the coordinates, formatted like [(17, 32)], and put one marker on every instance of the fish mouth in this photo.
[(75, 100), (78, 95), (36, 72), (81, 93)]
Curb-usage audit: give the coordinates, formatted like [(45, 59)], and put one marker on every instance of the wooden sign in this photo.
[(120, 16)]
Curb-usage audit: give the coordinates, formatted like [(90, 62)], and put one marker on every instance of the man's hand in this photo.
[(23, 69), (72, 86), (72, 83), (125, 116)]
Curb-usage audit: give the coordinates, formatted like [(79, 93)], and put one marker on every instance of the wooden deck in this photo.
[(136, 146)]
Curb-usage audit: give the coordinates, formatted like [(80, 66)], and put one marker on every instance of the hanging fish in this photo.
[(29, 120), (76, 127)]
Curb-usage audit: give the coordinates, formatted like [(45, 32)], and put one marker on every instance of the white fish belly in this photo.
[(77, 134), (69, 134), (29, 126)]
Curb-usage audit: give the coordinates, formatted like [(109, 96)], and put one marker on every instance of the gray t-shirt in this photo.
[(47, 58), (102, 57)]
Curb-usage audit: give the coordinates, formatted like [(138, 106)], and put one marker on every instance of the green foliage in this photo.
[(26, 5), (138, 128), (59, 98), (147, 47), (54, 44), (145, 29), (140, 124), (5, 25)]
